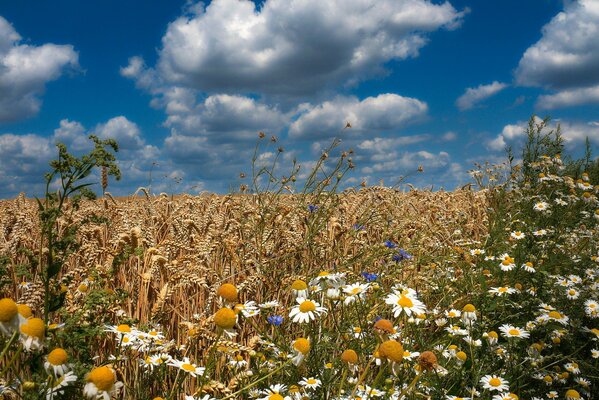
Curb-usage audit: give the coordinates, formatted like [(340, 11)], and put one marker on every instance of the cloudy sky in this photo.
[(185, 87)]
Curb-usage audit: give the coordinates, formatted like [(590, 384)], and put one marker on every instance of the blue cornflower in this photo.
[(402, 255), (390, 244), (312, 207), (369, 277), (359, 227), (275, 320)]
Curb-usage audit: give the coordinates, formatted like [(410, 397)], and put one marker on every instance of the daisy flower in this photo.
[(238, 361), (269, 304), (572, 394), (274, 392), (310, 383), (529, 267), (33, 333), (306, 310), (354, 292), (453, 313), (405, 301), (469, 314), (101, 384), (456, 330), (507, 264), (301, 348), (299, 288), (541, 206), (491, 337), (247, 309), (325, 278), (540, 232), (591, 308), (517, 235), (9, 316), (572, 294), (476, 252), (572, 367), (494, 382), (56, 362), (557, 316), (510, 331), (503, 290), (187, 366), (56, 391)]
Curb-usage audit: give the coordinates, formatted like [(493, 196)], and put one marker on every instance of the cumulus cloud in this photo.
[(222, 117), (573, 132), (295, 47), (374, 114), (473, 96), (24, 71), (569, 98), (565, 59)]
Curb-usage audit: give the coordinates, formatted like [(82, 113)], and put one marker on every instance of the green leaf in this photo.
[(54, 269), (57, 301)]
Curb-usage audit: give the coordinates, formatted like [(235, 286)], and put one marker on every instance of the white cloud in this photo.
[(473, 96), (24, 158), (291, 47), (569, 98), (371, 115), (566, 58), (24, 71)]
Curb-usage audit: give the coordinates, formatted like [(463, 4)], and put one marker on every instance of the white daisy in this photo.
[(494, 382), (306, 311)]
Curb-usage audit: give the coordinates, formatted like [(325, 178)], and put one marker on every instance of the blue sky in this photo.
[(185, 86)]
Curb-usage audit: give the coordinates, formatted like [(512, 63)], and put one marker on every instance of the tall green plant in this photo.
[(69, 172)]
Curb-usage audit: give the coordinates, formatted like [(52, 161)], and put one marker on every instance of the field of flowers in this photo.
[(360, 294)]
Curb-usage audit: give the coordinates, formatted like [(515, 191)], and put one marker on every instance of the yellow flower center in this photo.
[(275, 396), (356, 290), (502, 289), (357, 329), (299, 285), (58, 356), (302, 345), (469, 308), (82, 288), (349, 356), (311, 381), (228, 292), (555, 315), (405, 302), (461, 355), (514, 332), (384, 325), (225, 318), (124, 328), (307, 306), (493, 335), (323, 273), (495, 382), (572, 394), (24, 310), (392, 350), (102, 377), (8, 310), (188, 367), (34, 327)]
